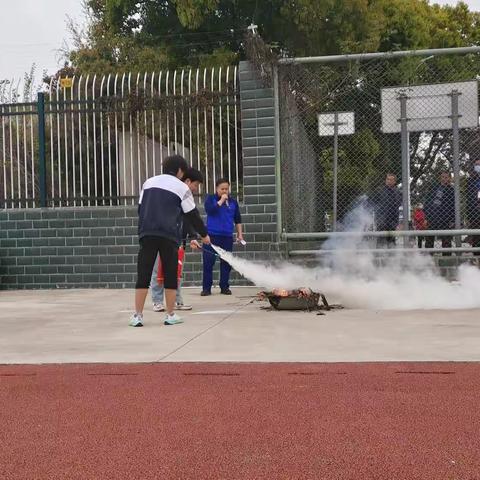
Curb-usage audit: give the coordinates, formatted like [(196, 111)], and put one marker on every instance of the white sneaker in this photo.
[(136, 320), (158, 307), (173, 319), (182, 306)]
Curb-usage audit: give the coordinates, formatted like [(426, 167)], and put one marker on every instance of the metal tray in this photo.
[(293, 302)]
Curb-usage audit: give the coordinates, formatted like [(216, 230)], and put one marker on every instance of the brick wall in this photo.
[(52, 248), (258, 146), (90, 248)]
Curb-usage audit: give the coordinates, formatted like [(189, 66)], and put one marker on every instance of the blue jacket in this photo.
[(222, 220), (440, 207), (473, 198)]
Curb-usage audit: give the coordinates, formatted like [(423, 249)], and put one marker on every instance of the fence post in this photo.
[(42, 169), (278, 166), (405, 160), (335, 169), (456, 163)]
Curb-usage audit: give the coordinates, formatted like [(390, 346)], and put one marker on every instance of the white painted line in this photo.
[(219, 312)]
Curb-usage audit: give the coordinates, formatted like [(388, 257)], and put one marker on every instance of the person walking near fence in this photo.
[(473, 203), (163, 200), (193, 178), (440, 210), (223, 214), (386, 203)]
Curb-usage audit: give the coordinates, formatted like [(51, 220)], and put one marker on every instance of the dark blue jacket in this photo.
[(222, 220), (440, 207), (386, 203), (164, 201), (473, 200)]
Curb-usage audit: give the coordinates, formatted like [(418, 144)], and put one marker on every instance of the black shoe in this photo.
[(205, 293), (226, 291)]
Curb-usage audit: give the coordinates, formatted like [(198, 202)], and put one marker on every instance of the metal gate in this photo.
[(94, 139)]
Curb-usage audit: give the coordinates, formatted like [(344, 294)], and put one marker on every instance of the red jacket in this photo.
[(419, 219)]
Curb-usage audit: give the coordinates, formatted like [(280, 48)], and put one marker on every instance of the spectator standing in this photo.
[(473, 202), (386, 203), (223, 216), (440, 209)]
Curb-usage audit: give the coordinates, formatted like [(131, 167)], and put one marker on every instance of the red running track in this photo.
[(240, 421)]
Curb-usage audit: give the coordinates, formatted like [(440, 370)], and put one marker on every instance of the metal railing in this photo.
[(371, 242), (19, 154), (94, 139)]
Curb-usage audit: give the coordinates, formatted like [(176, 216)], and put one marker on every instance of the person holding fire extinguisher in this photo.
[(193, 178)]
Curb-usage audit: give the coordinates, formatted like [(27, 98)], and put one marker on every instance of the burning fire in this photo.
[(279, 292), (298, 299)]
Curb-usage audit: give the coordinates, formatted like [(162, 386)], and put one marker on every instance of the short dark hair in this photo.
[(221, 180), (173, 163), (193, 175)]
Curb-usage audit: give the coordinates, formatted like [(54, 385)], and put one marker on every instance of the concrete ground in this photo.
[(90, 326)]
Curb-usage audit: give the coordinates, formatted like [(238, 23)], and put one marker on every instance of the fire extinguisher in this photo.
[(181, 257)]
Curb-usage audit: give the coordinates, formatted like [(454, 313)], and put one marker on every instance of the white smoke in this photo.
[(356, 278)]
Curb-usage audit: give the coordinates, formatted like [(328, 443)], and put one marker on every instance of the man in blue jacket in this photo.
[(223, 216), (440, 209), (473, 203), (386, 203)]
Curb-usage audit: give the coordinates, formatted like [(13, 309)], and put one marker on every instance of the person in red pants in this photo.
[(223, 217)]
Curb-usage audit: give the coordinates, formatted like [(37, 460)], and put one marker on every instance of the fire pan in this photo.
[(301, 299)]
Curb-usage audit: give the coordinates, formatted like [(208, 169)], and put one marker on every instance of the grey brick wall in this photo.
[(61, 248), (96, 248), (258, 145)]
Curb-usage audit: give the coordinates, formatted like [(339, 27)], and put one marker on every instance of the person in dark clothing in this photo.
[(223, 214), (163, 201), (440, 209), (386, 203), (473, 203), (193, 178)]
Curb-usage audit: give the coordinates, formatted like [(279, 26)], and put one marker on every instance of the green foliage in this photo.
[(192, 13), (141, 34)]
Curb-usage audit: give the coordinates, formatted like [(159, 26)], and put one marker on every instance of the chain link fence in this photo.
[(318, 192)]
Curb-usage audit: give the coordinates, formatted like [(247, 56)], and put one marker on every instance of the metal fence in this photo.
[(94, 139), (328, 169)]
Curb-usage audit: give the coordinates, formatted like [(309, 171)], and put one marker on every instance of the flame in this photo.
[(280, 292)]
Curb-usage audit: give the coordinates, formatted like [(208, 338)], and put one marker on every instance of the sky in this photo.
[(32, 31)]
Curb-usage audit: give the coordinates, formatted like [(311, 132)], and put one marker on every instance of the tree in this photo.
[(172, 33)]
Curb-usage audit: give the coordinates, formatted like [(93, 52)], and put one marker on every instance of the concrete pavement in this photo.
[(90, 326)]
